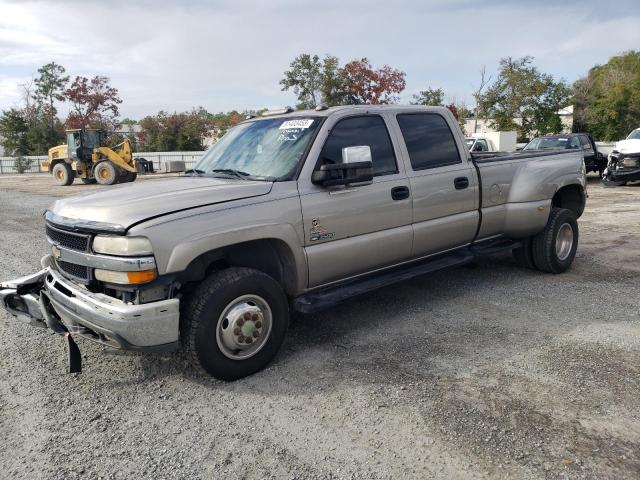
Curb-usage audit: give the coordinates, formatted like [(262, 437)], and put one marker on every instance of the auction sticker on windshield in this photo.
[(289, 124)]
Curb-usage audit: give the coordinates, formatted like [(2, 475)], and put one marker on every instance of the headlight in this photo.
[(631, 162), (123, 246), (125, 278)]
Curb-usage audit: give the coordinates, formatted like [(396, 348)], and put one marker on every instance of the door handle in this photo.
[(461, 183), (400, 193)]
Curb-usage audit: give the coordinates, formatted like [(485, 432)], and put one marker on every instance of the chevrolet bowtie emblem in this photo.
[(55, 251)]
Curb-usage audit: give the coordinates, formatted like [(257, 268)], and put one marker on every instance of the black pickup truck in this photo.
[(594, 161)]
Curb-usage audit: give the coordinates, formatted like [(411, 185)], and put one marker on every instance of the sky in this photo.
[(225, 54)]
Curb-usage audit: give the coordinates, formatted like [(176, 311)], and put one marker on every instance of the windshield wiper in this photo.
[(232, 172), (194, 171)]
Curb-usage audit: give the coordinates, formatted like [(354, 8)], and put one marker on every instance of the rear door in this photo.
[(443, 182), (352, 230)]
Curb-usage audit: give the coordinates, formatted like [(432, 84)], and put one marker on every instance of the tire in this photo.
[(106, 173), (63, 173), (555, 247), (213, 318), (612, 183), (129, 177), (88, 181), (524, 254)]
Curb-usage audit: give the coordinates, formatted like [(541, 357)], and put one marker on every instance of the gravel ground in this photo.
[(484, 372)]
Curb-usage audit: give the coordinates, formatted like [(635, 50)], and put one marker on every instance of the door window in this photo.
[(361, 131), (574, 142), (429, 140), (586, 144)]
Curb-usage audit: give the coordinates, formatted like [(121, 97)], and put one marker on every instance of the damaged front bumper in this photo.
[(48, 299)]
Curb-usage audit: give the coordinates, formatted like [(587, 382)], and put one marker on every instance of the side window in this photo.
[(586, 144), (483, 145), (429, 140), (361, 131), (574, 142)]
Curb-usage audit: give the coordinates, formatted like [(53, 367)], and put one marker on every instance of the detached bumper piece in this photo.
[(47, 299)]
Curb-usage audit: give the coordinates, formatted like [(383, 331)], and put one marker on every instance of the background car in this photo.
[(594, 161)]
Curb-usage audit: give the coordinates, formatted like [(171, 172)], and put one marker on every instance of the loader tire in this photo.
[(129, 177), (234, 322), (63, 173), (106, 173), (555, 247)]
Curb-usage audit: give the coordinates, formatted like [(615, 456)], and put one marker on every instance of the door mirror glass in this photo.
[(355, 169)]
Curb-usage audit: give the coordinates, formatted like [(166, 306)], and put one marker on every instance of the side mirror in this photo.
[(356, 168)]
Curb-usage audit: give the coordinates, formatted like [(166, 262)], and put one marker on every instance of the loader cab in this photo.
[(82, 142)]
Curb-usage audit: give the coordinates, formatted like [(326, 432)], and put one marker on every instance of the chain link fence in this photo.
[(33, 163)]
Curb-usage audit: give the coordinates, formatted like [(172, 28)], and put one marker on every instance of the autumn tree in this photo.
[(49, 88), (94, 103), (521, 91), (368, 85), (607, 100)]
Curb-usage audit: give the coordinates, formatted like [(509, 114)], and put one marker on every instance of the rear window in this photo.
[(429, 140)]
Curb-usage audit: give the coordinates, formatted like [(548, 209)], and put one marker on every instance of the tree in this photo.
[(13, 131), (314, 81), (433, 97), (94, 103), (366, 85), (607, 100), (524, 99), (176, 131), (50, 86), (477, 95)]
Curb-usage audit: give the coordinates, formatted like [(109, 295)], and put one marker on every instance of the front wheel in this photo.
[(105, 173), (234, 322), (555, 247)]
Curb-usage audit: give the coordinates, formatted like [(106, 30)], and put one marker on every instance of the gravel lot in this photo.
[(484, 372)]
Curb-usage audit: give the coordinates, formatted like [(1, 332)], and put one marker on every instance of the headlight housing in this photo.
[(125, 278), (122, 245)]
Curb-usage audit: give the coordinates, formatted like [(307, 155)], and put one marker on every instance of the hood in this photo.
[(118, 207), (628, 146)]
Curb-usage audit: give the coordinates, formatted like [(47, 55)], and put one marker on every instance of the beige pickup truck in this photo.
[(291, 211)]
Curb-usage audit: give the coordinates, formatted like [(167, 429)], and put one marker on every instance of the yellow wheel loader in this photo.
[(84, 157)]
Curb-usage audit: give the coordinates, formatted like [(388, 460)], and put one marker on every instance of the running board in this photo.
[(324, 298)]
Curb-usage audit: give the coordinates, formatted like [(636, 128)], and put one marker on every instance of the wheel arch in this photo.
[(572, 197), (272, 256)]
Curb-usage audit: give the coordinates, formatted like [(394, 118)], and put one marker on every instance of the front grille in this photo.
[(78, 271), (73, 241)]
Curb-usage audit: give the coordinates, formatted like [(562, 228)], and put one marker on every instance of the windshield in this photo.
[(541, 143), (469, 141), (635, 135), (263, 149), (91, 138)]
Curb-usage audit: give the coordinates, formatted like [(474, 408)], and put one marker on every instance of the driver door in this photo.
[(356, 229)]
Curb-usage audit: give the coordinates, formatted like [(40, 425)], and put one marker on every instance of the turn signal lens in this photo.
[(125, 278)]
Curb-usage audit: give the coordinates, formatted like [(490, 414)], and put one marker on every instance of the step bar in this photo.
[(323, 298)]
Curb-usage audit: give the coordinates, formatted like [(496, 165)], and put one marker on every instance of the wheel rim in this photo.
[(564, 241), (104, 173), (59, 174), (244, 327)]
